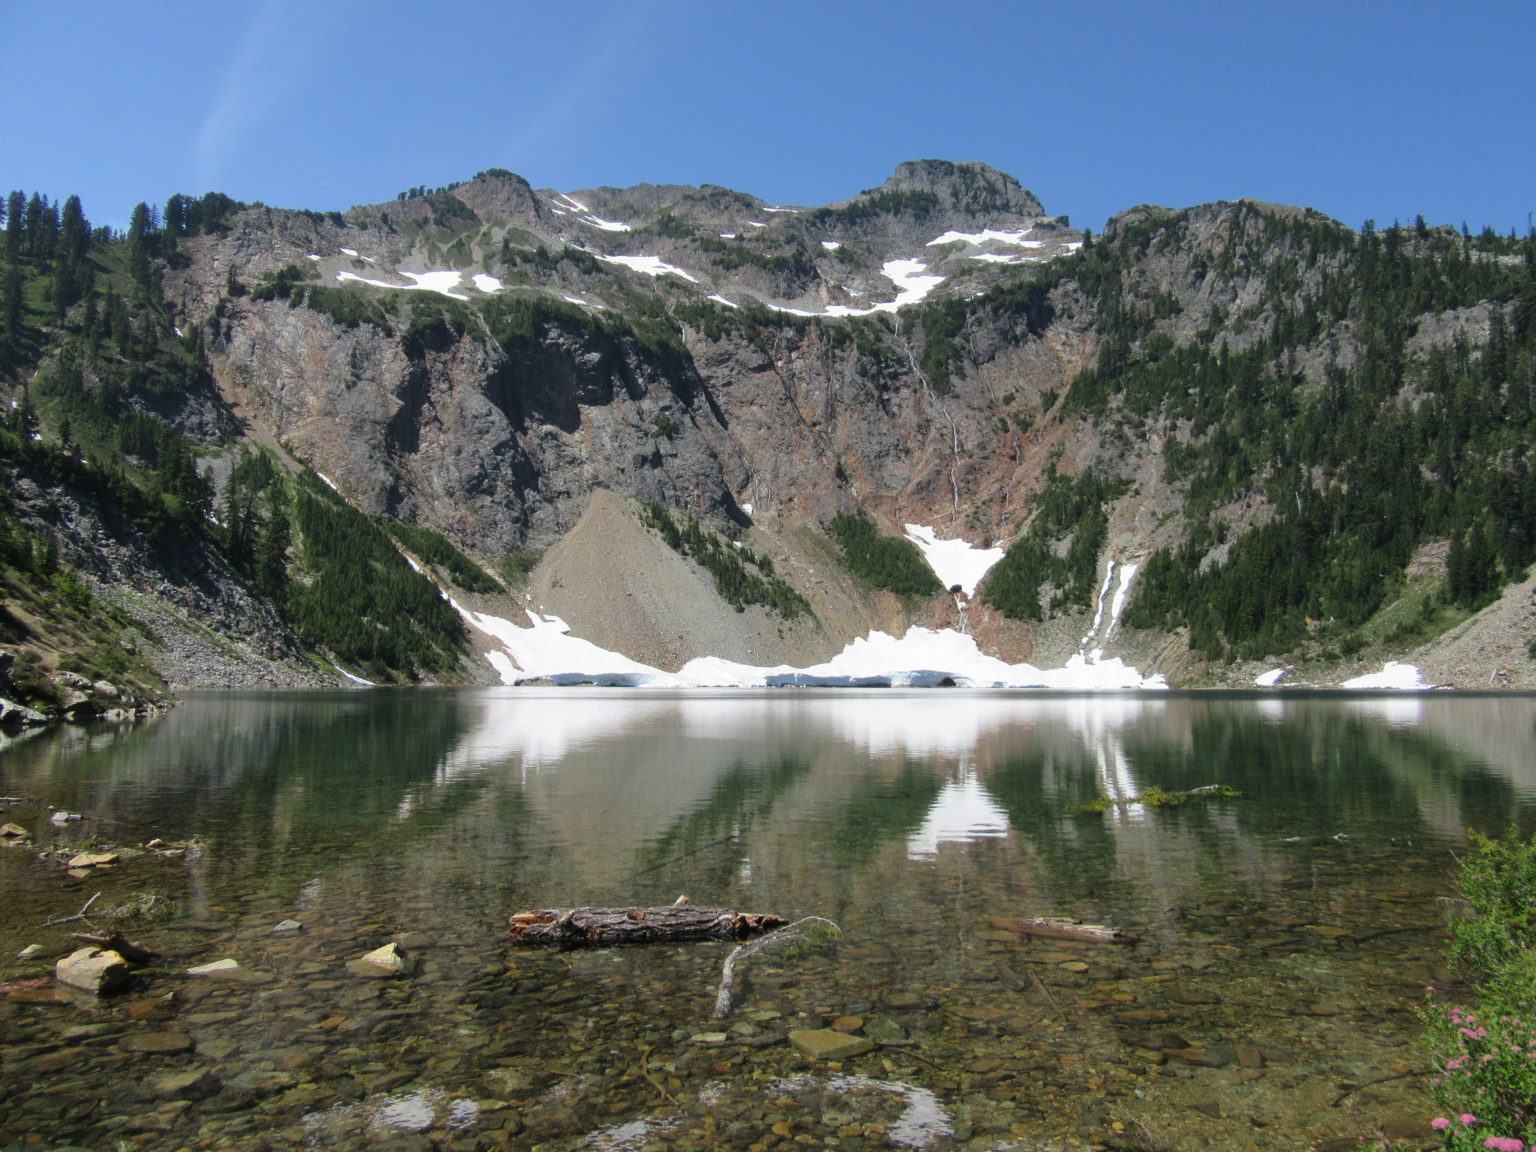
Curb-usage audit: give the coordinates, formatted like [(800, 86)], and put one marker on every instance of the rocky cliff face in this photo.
[(497, 440)]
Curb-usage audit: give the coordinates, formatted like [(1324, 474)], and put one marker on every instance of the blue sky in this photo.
[(1359, 110)]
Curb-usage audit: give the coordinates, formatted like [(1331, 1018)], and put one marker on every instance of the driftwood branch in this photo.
[(589, 927), (80, 915), (790, 934)]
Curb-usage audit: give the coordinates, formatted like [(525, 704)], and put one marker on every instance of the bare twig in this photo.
[(645, 1054), (80, 915), (1044, 991), (1388, 932), (1342, 1096)]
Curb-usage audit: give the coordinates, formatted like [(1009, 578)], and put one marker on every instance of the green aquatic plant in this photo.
[(1155, 797)]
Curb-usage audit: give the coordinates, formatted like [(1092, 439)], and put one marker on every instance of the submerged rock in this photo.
[(192, 1084), (381, 963), (158, 1043), (825, 1044)]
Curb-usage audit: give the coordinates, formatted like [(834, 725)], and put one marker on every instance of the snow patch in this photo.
[(831, 245), (650, 265), (547, 649), (585, 214), (329, 483), (911, 277), (349, 251), (719, 299), (356, 679), (954, 561), (1269, 679), (1014, 238), (1122, 594), (442, 282), (1093, 643), (486, 283), (1392, 675)]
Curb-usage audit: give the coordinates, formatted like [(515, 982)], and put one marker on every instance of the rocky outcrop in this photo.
[(191, 615)]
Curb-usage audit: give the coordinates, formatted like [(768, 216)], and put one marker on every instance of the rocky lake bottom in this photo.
[(1269, 1001)]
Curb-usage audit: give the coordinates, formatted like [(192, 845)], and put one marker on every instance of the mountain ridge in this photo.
[(482, 360)]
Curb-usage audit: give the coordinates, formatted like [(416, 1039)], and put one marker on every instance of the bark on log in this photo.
[(579, 927)]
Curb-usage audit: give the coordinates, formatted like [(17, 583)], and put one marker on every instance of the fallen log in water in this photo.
[(1062, 928), (117, 942), (578, 927)]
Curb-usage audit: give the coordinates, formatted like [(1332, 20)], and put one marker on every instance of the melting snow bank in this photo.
[(923, 658)]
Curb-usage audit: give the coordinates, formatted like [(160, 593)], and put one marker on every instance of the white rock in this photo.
[(92, 970), (216, 966)]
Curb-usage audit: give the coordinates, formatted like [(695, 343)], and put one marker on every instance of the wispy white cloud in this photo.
[(267, 64), (588, 89)]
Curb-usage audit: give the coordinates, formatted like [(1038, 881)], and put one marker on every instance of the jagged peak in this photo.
[(967, 186)]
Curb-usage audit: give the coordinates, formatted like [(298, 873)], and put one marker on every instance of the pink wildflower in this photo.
[(1504, 1144), (1467, 1118), (1439, 1123)]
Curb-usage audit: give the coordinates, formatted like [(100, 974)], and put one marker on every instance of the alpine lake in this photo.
[(1284, 937)]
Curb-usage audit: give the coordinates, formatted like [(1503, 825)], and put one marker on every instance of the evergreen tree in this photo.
[(272, 549), (15, 221), (74, 231), (12, 308), (138, 243)]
